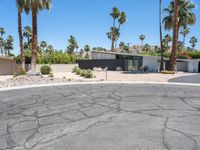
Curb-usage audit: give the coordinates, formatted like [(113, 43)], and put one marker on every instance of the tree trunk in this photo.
[(112, 45), (184, 39), (21, 40), (172, 66), (117, 39), (34, 26), (161, 43), (114, 22)]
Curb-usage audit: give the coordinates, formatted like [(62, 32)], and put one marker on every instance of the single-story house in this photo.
[(113, 60)]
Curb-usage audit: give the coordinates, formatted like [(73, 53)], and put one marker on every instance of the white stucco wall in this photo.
[(193, 66), (151, 63)]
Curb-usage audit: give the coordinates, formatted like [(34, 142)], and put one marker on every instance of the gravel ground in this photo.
[(37, 80), (9, 81)]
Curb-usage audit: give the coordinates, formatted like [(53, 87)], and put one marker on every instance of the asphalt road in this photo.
[(101, 117)]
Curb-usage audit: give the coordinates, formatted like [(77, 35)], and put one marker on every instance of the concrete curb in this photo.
[(103, 82)]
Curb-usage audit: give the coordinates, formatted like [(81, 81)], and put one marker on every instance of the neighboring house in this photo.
[(113, 60)]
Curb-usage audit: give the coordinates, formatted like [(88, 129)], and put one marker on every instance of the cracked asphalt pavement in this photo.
[(101, 117)]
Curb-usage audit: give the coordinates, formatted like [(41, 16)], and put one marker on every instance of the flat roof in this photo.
[(117, 53)]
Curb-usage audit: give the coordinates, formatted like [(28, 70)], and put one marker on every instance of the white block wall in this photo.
[(193, 66), (151, 63)]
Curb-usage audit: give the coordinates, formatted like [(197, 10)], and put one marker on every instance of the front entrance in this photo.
[(199, 67)]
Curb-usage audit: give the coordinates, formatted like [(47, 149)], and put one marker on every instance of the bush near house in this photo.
[(45, 70), (82, 72)]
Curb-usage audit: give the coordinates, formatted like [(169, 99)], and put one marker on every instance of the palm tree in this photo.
[(115, 14), (176, 20), (168, 38), (185, 15), (72, 45), (2, 32), (142, 38), (193, 42), (35, 6), (121, 20), (20, 8), (27, 33), (161, 38), (8, 45), (87, 49), (113, 35), (43, 45), (146, 48), (184, 31)]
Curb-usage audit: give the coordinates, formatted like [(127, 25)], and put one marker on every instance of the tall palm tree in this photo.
[(176, 20), (2, 32), (8, 45), (72, 46), (35, 6), (193, 42), (115, 14), (185, 15), (113, 35), (27, 33), (168, 38), (43, 45), (161, 38), (122, 19), (20, 6), (142, 38), (184, 31)]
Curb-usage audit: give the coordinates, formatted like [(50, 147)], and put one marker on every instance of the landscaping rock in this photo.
[(33, 73)]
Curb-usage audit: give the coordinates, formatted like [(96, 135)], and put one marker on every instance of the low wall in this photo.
[(7, 66), (55, 67)]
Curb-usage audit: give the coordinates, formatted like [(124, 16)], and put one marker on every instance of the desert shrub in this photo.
[(82, 72), (168, 72), (146, 68), (45, 70), (77, 71), (51, 75), (132, 68), (88, 74), (19, 72), (119, 69)]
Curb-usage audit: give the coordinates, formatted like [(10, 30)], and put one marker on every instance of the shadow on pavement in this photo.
[(187, 79)]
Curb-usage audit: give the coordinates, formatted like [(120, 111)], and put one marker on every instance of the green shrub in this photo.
[(77, 71), (88, 74), (82, 72), (19, 72), (45, 70), (74, 69)]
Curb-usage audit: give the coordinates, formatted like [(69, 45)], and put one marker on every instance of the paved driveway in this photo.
[(187, 79), (101, 117)]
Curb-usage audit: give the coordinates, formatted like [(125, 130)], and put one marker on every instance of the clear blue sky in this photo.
[(89, 21)]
